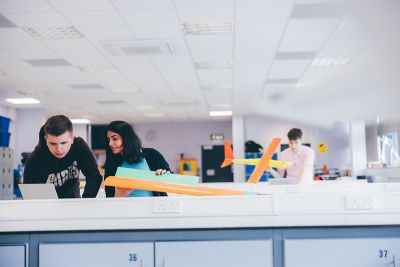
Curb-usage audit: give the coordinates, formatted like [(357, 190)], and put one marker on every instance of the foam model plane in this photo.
[(181, 184), (229, 159)]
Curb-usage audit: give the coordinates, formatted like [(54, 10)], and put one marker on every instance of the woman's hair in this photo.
[(132, 146), (55, 125)]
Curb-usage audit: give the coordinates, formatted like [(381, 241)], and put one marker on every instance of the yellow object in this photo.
[(272, 163), (188, 167), (322, 148), (229, 159)]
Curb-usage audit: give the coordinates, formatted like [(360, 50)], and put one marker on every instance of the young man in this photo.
[(301, 156), (58, 159)]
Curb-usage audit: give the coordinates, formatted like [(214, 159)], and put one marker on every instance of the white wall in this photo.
[(81, 130), (171, 139), (28, 123), (263, 129)]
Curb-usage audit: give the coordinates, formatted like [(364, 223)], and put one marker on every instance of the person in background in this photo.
[(301, 156), (58, 159), (124, 149)]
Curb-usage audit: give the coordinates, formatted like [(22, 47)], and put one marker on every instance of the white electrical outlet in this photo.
[(166, 205), (360, 203), (392, 187)]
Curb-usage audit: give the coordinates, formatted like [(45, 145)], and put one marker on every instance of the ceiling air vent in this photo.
[(124, 48)]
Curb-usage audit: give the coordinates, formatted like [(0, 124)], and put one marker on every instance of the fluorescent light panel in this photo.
[(6, 23), (22, 101), (220, 113), (80, 121), (55, 62), (329, 62), (323, 10), (46, 33), (209, 27)]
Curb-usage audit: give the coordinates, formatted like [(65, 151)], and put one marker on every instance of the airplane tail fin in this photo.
[(228, 153)]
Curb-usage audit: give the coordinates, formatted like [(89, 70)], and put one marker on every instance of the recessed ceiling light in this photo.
[(328, 62), (80, 121), (43, 33), (220, 113), (128, 89), (22, 101), (209, 27), (97, 68), (213, 65), (154, 115)]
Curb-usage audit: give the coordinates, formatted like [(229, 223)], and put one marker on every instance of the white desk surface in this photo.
[(284, 206)]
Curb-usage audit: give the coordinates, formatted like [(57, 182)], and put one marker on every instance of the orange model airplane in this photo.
[(162, 186), (229, 159)]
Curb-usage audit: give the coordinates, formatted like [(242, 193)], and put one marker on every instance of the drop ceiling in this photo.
[(143, 61)]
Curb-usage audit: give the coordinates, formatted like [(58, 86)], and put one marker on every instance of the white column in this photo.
[(358, 148), (238, 148)]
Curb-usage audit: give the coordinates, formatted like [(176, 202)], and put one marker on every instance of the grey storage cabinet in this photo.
[(13, 255), (343, 252), (237, 253), (120, 254)]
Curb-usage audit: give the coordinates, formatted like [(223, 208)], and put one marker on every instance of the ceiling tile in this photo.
[(50, 19), (317, 10), (98, 18), (149, 16), (203, 3), (25, 6), (288, 69), (200, 14), (139, 4), (78, 5), (214, 77), (312, 25), (304, 41), (270, 12)]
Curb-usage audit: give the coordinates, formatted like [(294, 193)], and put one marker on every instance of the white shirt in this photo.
[(303, 160)]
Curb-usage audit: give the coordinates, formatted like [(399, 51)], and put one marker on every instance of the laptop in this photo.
[(38, 191)]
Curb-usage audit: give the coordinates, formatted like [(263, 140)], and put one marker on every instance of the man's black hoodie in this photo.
[(43, 167)]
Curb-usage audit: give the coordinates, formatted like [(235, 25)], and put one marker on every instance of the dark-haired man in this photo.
[(301, 156), (58, 159)]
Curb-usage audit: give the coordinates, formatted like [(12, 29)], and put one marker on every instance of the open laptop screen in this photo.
[(38, 191)]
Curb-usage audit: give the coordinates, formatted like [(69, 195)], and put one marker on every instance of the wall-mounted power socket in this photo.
[(392, 187), (166, 205), (360, 203)]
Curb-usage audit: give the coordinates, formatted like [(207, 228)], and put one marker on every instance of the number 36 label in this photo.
[(133, 257)]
